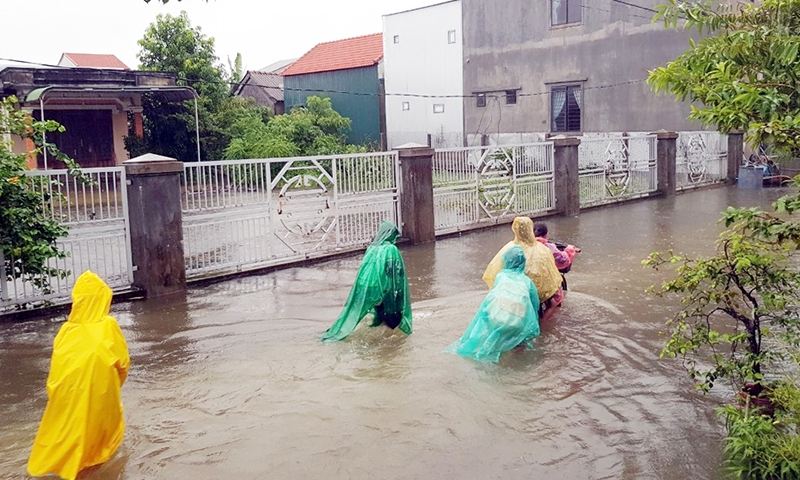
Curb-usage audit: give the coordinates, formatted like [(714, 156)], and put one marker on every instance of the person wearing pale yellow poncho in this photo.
[(539, 266), (82, 424)]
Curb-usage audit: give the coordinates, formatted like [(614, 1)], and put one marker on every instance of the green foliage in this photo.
[(744, 69), (27, 234), (171, 44), (236, 68), (316, 129), (760, 446), (739, 322)]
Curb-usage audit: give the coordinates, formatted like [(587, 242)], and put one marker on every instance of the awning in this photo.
[(165, 93)]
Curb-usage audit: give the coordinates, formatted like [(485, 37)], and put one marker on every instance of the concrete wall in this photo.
[(511, 44), (424, 62)]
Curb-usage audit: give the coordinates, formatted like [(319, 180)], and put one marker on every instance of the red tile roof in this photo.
[(95, 60), (339, 55)]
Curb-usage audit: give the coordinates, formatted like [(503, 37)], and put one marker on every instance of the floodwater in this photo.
[(230, 381)]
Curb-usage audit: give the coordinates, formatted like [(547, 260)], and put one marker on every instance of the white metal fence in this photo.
[(98, 239), (616, 167), (474, 186), (246, 214), (701, 158)]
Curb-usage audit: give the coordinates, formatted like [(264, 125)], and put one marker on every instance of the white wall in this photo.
[(424, 63)]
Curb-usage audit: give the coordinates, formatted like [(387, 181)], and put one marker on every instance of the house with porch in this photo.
[(98, 107), (350, 73)]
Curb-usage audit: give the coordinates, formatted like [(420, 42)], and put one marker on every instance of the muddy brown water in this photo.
[(230, 381)]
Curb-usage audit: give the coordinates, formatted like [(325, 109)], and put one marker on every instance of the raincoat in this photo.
[(540, 265), (82, 424), (381, 288), (508, 315)]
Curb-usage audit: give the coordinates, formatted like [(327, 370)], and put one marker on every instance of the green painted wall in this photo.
[(354, 94)]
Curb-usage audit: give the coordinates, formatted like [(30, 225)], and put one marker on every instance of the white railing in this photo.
[(475, 186), (98, 239), (247, 214), (701, 158), (615, 167)]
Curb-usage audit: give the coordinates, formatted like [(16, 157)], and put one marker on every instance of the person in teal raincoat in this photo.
[(381, 288), (508, 315)]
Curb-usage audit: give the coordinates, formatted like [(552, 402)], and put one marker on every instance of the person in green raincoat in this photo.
[(508, 315), (381, 288)]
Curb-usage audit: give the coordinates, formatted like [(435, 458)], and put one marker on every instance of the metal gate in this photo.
[(96, 214), (475, 186), (246, 214)]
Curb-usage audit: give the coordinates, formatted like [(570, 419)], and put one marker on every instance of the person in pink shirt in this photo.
[(562, 254)]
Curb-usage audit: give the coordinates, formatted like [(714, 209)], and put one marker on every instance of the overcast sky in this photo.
[(263, 31)]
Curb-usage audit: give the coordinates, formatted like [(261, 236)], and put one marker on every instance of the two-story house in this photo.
[(556, 66)]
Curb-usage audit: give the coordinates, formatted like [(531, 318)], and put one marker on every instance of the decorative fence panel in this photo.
[(98, 239), (246, 214), (701, 158), (475, 186), (615, 167)]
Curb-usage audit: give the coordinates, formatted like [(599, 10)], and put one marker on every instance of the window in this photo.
[(438, 108), (511, 97), (480, 99), (563, 12), (451, 36), (406, 106), (396, 39), (565, 108)]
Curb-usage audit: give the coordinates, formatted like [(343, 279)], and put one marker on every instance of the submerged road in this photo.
[(230, 381)]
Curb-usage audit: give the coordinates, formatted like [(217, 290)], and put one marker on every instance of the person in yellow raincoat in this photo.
[(82, 424), (539, 266)]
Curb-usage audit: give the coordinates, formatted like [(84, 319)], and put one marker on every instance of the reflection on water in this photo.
[(230, 380)]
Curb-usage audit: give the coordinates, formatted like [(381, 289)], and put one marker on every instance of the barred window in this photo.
[(565, 108)]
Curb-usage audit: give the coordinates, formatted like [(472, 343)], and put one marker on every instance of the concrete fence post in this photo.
[(735, 154), (154, 208), (416, 193), (566, 184), (666, 161)]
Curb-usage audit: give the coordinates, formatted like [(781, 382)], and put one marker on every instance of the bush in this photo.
[(27, 234)]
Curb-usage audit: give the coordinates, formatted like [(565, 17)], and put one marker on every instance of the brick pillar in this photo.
[(416, 193), (735, 154), (138, 124), (567, 193), (154, 207), (666, 152)]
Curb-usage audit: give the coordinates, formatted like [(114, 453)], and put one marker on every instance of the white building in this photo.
[(424, 75)]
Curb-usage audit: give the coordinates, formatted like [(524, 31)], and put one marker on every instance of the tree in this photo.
[(744, 71), (171, 44), (27, 234), (236, 68), (740, 323), (739, 320), (316, 129)]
